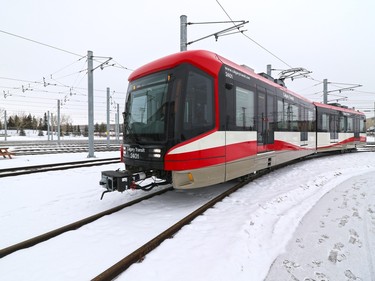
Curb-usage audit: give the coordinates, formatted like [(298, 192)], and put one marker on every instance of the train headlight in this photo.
[(155, 152)]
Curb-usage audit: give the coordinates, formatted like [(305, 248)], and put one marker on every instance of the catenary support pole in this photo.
[(90, 82), (52, 129), (325, 91), (183, 33), (108, 121), (48, 128), (58, 122), (118, 124), (5, 126)]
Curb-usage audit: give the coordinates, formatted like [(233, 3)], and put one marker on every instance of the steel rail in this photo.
[(142, 251), (138, 255), (17, 171), (73, 226)]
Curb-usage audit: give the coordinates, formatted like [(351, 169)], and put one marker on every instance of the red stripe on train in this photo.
[(220, 155)]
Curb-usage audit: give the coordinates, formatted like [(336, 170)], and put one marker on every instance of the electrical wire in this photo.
[(40, 43), (255, 42)]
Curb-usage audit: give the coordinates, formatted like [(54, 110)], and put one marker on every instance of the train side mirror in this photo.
[(229, 86)]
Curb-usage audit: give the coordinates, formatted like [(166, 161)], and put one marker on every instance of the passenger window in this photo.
[(325, 123), (350, 127), (198, 109), (362, 125), (311, 125), (244, 108), (281, 116), (294, 117), (342, 124)]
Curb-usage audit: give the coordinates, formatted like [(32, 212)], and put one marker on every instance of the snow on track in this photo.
[(242, 237), (309, 221)]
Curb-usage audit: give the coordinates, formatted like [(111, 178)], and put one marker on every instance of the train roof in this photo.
[(207, 61), (338, 108), (204, 60)]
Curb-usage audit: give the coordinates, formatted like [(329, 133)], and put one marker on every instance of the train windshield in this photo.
[(184, 94), (145, 108)]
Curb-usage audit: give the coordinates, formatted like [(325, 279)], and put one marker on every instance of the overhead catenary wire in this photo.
[(117, 65), (40, 43), (284, 62), (249, 38)]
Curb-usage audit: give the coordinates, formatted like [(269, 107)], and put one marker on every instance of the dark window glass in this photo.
[(145, 108), (244, 109), (197, 106)]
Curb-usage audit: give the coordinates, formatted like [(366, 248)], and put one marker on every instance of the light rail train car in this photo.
[(339, 128), (195, 119)]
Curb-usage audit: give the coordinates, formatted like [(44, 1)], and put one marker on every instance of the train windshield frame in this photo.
[(172, 105), (145, 108)]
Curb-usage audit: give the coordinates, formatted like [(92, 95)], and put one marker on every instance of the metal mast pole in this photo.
[(90, 80), (118, 123), (58, 121), (52, 129), (183, 33), (5, 125), (108, 123), (325, 91), (48, 128)]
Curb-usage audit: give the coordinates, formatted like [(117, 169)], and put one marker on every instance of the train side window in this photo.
[(281, 117), (356, 127), (362, 125), (198, 109), (350, 127), (287, 116), (342, 128), (311, 125), (303, 124), (286, 112), (333, 126), (244, 109), (294, 117)]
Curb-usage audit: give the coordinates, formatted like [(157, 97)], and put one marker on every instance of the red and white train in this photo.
[(196, 119)]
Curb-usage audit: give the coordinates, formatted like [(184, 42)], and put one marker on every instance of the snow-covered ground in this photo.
[(310, 221)]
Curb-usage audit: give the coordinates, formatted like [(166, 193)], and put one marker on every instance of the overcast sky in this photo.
[(334, 39)]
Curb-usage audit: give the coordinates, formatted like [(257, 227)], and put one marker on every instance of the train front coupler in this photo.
[(123, 180), (120, 180)]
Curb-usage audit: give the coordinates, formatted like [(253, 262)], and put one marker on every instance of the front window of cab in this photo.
[(177, 104), (145, 108)]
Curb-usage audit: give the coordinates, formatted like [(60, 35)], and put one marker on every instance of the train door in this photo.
[(265, 119), (271, 119), (261, 119), (303, 126), (333, 128), (356, 127)]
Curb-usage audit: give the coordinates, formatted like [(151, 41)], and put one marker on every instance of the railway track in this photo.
[(137, 255), (17, 171), (73, 226), (21, 148)]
